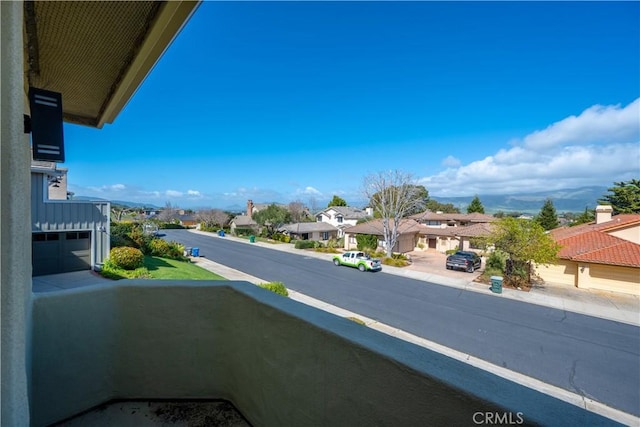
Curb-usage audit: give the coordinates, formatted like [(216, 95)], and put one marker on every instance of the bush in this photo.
[(327, 250), (126, 257), (170, 226), (395, 262), (306, 244), (162, 248), (243, 231), (276, 287), (119, 232), (110, 271), (497, 261), (366, 241)]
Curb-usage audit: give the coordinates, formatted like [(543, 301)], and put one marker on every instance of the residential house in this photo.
[(604, 254), (244, 222), (67, 235), (408, 230), (342, 217), (278, 361), (448, 231), (187, 219), (319, 231)]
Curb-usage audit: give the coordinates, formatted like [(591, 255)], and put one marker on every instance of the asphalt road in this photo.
[(593, 357)]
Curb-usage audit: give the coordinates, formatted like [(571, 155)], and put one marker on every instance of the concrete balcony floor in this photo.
[(141, 413)]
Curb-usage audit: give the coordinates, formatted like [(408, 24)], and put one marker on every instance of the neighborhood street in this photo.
[(589, 356)]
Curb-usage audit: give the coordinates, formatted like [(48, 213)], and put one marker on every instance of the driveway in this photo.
[(433, 262)]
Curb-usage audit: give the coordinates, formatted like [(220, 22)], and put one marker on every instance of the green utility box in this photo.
[(496, 284)]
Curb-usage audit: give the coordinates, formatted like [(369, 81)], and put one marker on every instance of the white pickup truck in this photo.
[(360, 260)]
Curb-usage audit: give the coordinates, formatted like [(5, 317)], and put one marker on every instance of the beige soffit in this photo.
[(97, 53)]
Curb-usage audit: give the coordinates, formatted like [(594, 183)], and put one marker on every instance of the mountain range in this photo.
[(566, 200)]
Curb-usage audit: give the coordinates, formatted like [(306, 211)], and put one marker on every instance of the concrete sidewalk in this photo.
[(606, 305)]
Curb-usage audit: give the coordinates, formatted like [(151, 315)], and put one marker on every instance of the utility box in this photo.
[(496, 284)]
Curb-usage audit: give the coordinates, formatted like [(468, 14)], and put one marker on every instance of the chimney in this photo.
[(603, 213), (249, 207)]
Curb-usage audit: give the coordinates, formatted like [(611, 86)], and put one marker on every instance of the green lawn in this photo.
[(164, 268)]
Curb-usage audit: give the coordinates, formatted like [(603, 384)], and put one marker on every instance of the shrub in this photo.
[(126, 257), (277, 237), (162, 248), (239, 231), (306, 244), (170, 225), (276, 287), (110, 271), (328, 250), (366, 241), (497, 261), (395, 262), (119, 232)]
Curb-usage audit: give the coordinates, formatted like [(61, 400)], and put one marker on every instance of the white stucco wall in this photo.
[(15, 231)]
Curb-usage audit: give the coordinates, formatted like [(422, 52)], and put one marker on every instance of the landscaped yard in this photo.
[(162, 268)]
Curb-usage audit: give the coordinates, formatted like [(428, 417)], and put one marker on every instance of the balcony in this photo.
[(277, 361)]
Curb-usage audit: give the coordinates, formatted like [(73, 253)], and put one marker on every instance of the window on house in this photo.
[(319, 218), (324, 235), (339, 218)]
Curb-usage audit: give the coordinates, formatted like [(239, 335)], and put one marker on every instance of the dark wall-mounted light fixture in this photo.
[(46, 125)]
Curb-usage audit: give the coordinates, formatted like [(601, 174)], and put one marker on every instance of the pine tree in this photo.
[(625, 197), (475, 206), (548, 218), (337, 201)]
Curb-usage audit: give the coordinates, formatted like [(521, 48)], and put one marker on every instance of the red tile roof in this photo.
[(592, 243)]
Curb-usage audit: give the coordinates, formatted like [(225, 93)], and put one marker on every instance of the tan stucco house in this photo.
[(408, 230), (319, 231), (604, 254)]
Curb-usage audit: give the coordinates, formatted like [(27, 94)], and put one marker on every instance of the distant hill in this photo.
[(119, 202), (567, 200)]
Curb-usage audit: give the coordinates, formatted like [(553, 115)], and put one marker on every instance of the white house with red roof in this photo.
[(604, 254)]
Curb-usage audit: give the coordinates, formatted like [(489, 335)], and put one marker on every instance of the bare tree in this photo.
[(393, 195), (297, 211), (212, 218), (313, 205), (169, 213)]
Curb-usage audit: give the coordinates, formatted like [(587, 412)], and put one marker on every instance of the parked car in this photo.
[(361, 260), (464, 260)]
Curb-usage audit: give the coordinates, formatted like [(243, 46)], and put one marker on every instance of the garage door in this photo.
[(54, 253)]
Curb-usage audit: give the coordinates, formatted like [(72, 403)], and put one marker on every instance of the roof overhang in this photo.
[(97, 53)]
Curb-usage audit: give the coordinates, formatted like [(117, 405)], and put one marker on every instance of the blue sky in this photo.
[(284, 101)]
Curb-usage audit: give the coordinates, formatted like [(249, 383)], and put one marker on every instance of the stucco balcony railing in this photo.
[(280, 363)]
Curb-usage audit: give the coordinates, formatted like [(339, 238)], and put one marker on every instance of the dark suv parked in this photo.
[(464, 260)]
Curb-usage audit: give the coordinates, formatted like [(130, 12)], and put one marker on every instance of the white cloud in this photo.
[(308, 191), (173, 193), (597, 124), (194, 194), (597, 147), (451, 162)]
